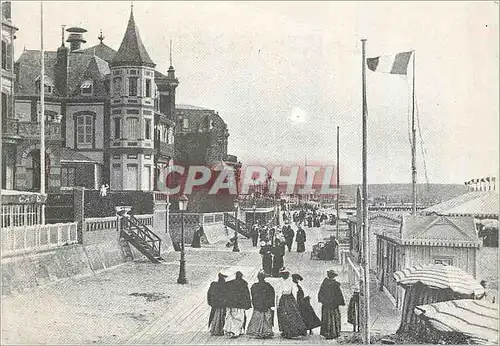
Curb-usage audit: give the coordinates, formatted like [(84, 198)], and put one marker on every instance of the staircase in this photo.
[(141, 237), (230, 222)]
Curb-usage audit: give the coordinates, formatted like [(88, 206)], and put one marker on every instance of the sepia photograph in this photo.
[(249, 172)]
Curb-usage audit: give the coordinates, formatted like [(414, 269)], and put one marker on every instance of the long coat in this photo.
[(330, 294), (263, 296), (267, 258), (300, 238), (217, 297), (238, 294), (197, 238), (289, 234)]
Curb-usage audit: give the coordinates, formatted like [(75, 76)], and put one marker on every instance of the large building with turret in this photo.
[(110, 118)]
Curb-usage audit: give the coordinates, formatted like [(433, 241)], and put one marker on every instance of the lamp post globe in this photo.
[(235, 245), (183, 202)]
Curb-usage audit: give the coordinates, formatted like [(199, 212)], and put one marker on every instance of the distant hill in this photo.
[(394, 193)]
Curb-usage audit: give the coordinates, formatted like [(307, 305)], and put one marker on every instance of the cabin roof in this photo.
[(474, 203), (433, 230)]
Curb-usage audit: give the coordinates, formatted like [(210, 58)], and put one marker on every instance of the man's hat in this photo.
[(297, 277)]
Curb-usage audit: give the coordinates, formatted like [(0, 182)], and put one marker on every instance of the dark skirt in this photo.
[(218, 318), (267, 263), (261, 324), (289, 319), (311, 320), (330, 322), (196, 241), (278, 263), (301, 246)]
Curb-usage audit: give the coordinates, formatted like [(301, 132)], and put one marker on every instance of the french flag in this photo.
[(394, 64)]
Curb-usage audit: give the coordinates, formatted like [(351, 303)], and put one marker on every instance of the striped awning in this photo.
[(86, 84), (440, 276), (477, 319)]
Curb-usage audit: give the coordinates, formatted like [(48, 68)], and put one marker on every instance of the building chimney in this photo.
[(75, 38), (61, 68), (7, 10)]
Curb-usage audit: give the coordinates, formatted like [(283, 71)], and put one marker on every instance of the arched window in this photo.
[(84, 129)]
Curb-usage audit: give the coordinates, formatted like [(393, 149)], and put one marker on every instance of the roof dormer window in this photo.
[(48, 85), (87, 87)]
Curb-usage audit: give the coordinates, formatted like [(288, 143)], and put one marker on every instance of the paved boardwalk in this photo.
[(141, 303)]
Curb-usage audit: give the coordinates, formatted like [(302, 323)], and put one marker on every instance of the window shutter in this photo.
[(9, 56)]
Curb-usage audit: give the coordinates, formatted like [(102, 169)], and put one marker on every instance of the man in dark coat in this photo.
[(279, 253), (289, 234), (238, 300), (300, 238), (217, 300), (272, 234), (331, 297), (255, 235)]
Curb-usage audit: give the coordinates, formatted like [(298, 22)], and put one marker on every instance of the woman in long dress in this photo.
[(267, 257), (279, 253), (196, 243), (238, 297), (307, 312), (330, 295), (290, 321), (300, 238), (261, 323), (216, 298)]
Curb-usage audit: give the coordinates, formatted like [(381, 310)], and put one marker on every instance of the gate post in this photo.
[(79, 211)]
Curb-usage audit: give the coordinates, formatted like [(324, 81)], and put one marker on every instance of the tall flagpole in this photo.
[(42, 115), (338, 183), (413, 147), (366, 243)]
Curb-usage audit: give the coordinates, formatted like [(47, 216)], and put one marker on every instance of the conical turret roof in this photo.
[(132, 50)]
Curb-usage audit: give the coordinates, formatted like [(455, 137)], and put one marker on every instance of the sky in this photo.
[(284, 75)]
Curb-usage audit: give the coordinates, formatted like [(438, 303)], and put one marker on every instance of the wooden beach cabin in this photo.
[(424, 239)]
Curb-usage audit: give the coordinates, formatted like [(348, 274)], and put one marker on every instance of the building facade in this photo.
[(108, 116), (7, 84)]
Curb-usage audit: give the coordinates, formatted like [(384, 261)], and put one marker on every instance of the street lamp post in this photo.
[(183, 202), (235, 246)]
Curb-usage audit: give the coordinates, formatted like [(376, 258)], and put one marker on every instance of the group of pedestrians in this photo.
[(311, 218), (273, 248), (295, 314)]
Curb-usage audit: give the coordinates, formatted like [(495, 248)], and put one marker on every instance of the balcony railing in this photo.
[(27, 129)]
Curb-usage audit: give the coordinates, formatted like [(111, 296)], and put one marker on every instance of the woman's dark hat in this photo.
[(297, 277), (332, 273)]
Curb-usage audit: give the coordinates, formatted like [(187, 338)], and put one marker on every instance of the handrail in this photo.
[(144, 227), (144, 233)]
